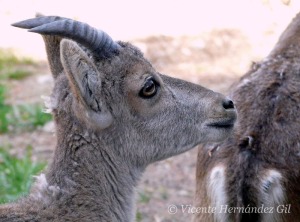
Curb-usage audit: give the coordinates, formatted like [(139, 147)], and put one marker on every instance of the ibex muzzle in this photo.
[(114, 115)]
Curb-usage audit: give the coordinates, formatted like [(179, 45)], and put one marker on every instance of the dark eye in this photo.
[(149, 89)]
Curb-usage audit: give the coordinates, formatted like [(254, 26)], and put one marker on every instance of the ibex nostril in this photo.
[(228, 104)]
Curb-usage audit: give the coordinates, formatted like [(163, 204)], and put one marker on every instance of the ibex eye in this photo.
[(149, 89)]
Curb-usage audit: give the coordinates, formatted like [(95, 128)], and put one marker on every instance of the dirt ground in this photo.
[(215, 59)]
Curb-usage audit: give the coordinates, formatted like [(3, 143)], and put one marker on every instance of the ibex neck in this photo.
[(100, 186)]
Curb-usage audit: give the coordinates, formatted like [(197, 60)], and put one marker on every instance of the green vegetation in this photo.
[(8, 58), (164, 194), (15, 118), (15, 74), (2, 94), (144, 197), (12, 67), (16, 174), (4, 109), (26, 117), (139, 216)]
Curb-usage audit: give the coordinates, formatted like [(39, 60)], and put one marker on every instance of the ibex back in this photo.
[(254, 175), (114, 115)]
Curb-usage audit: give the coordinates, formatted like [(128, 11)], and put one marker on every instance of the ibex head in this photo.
[(108, 89)]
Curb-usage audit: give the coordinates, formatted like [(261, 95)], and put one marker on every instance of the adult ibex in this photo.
[(114, 115), (254, 175)]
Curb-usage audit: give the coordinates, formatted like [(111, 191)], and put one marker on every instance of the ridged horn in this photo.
[(98, 42), (38, 21)]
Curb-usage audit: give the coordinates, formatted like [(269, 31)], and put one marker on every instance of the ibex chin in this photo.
[(254, 175), (114, 115)]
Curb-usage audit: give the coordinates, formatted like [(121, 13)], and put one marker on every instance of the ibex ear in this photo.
[(85, 83)]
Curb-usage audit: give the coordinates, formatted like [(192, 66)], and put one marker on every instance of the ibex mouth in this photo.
[(223, 123)]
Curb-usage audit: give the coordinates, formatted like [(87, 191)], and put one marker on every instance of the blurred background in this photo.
[(211, 43)]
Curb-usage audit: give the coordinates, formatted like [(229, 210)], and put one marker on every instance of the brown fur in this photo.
[(266, 144)]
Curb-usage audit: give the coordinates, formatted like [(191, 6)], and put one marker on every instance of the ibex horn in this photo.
[(98, 42)]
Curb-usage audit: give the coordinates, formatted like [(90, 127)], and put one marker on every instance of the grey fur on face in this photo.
[(114, 115)]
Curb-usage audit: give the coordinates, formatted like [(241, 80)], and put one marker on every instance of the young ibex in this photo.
[(114, 115), (254, 175)]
